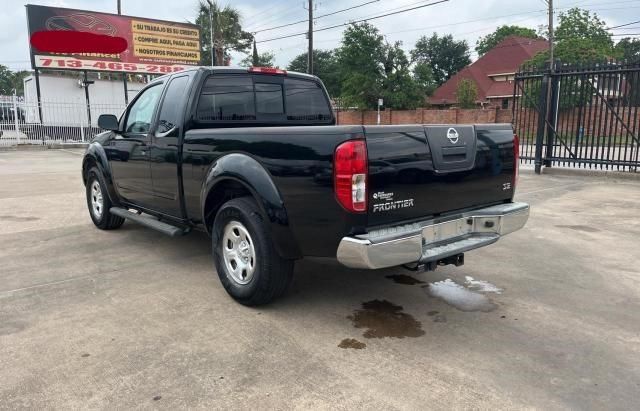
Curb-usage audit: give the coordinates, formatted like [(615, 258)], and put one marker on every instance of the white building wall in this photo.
[(64, 103)]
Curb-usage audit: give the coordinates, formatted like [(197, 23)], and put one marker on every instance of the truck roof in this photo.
[(236, 70)]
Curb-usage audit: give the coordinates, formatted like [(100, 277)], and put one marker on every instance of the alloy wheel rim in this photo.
[(238, 252), (97, 201)]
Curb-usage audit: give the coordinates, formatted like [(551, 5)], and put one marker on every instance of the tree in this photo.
[(628, 49), (228, 33), (325, 66), (580, 37), (399, 88), (11, 80), (466, 93), (444, 55), (360, 60), (423, 76), (265, 59), (489, 41)]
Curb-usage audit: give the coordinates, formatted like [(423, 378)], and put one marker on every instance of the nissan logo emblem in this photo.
[(452, 135)]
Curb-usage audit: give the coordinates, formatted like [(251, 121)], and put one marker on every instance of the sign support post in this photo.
[(36, 74), (85, 84)]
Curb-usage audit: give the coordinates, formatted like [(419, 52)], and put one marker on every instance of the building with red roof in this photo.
[(493, 73)]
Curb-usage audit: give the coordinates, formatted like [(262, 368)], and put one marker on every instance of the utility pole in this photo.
[(213, 50), (310, 36), (550, 3), (550, 125), (124, 75)]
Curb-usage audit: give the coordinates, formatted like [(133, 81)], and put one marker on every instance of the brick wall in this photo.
[(596, 124), (425, 116)]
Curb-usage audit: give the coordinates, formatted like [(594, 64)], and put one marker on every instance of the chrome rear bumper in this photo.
[(432, 240)]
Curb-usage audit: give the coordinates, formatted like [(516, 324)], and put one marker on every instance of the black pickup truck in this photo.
[(254, 158)]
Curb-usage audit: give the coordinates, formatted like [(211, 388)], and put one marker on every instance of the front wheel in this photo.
[(248, 265), (99, 204)]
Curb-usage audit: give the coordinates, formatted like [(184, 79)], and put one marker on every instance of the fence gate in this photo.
[(582, 116)]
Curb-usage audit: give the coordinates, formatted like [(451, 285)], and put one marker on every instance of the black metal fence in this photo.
[(583, 116)]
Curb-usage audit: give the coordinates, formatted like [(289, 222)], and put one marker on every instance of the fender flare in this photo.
[(95, 154), (248, 172)]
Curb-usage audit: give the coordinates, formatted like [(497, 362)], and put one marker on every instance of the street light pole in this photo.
[(213, 50)]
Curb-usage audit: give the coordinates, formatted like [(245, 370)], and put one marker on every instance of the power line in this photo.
[(623, 25), (497, 17), (316, 18), (356, 21), (266, 12)]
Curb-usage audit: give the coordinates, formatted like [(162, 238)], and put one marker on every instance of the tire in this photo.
[(99, 203), (259, 275)]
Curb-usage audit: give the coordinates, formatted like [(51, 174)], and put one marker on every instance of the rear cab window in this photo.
[(246, 99)]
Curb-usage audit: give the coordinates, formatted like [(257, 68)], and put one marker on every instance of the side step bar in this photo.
[(168, 229)]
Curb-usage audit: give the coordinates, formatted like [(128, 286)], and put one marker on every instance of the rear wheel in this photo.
[(99, 204), (248, 265)]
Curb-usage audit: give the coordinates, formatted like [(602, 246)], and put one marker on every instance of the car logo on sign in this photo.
[(452, 135)]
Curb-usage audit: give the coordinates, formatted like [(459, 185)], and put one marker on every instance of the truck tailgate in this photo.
[(422, 171)]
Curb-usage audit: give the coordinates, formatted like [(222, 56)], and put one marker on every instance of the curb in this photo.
[(581, 172), (40, 147)]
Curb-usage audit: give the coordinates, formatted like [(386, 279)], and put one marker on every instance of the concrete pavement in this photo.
[(130, 318)]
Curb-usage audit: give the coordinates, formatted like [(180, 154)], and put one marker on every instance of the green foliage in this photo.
[(489, 41), (325, 66), (423, 76), (628, 49), (399, 87), (369, 68), (10, 80), (361, 70), (444, 55), (580, 37), (265, 59), (228, 33), (466, 93)]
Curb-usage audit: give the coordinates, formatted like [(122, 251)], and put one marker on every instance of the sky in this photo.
[(464, 19)]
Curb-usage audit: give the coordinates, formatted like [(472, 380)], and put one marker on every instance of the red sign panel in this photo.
[(85, 40)]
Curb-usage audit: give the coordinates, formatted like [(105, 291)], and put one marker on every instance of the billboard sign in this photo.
[(129, 44)]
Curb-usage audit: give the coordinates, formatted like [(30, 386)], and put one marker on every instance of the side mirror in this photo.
[(108, 122)]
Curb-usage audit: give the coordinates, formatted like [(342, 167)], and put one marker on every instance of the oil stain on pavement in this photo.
[(384, 319), (15, 219), (584, 228), (352, 343)]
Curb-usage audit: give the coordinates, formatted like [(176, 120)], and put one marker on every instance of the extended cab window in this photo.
[(305, 100), (171, 105), (141, 112), (227, 98)]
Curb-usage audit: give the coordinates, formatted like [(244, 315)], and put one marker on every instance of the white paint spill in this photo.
[(460, 297), (481, 285)]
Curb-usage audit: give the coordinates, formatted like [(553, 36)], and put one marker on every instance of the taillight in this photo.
[(516, 160), (267, 70), (350, 175)]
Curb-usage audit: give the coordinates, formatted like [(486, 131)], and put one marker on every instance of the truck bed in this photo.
[(409, 177)]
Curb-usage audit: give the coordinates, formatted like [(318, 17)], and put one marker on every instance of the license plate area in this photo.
[(458, 228)]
